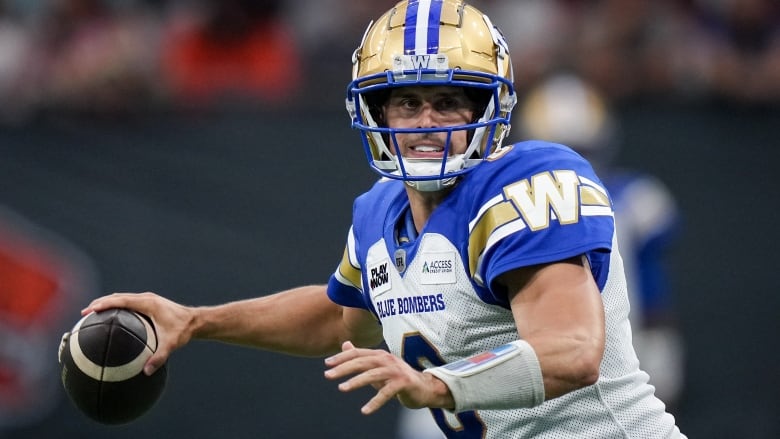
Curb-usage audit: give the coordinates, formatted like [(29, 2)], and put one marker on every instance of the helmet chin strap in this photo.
[(431, 185), (432, 167)]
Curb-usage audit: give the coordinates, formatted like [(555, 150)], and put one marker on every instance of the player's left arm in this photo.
[(558, 311)]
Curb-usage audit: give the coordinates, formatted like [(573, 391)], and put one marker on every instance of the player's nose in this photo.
[(428, 117)]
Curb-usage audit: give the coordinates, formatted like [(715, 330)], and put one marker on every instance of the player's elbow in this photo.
[(574, 375), (574, 367), (580, 365), (588, 374), (587, 366)]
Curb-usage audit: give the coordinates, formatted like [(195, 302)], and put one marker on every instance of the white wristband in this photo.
[(506, 377)]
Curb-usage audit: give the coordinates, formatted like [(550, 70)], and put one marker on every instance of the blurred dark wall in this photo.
[(206, 209), (721, 161)]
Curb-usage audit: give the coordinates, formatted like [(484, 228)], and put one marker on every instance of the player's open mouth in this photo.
[(426, 151)]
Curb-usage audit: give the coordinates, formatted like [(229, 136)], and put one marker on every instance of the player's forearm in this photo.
[(301, 321), (559, 312), (571, 346)]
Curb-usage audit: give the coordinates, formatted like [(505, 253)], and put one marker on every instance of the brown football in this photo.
[(102, 360)]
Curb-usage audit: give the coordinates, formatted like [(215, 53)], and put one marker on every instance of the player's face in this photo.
[(429, 107)]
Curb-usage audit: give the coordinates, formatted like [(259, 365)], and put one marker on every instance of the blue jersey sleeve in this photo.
[(344, 295), (345, 286), (537, 203)]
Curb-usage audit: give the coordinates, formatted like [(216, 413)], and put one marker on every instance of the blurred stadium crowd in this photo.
[(109, 56)]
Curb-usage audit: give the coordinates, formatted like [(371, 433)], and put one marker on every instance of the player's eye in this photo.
[(451, 103), (409, 103)]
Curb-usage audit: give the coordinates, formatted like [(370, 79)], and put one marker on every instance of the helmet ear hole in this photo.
[(375, 100), (480, 99)]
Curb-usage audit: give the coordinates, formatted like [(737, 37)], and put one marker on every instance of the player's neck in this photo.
[(422, 204)]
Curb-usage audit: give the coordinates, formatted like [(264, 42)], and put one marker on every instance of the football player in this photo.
[(491, 272)]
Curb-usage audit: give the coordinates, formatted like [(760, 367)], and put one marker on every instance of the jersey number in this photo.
[(421, 354)]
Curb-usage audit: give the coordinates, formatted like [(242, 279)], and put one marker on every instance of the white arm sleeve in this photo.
[(506, 377)]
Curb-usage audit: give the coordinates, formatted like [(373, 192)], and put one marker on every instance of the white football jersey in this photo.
[(436, 298)]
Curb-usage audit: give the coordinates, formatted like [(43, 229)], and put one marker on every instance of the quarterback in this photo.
[(491, 272)]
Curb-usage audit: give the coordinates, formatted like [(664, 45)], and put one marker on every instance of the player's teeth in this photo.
[(427, 148)]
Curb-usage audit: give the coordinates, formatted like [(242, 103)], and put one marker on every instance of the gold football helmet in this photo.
[(431, 43)]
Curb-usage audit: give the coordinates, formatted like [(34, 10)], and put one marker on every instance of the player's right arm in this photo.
[(301, 321)]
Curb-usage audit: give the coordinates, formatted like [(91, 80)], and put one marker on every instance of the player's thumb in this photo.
[(155, 362)]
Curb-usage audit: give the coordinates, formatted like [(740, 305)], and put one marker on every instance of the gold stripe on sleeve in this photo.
[(350, 272), (592, 197), (495, 217)]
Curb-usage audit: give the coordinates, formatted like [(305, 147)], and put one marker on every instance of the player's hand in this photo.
[(171, 321), (389, 375)]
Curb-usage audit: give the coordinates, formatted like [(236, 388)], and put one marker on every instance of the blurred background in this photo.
[(201, 149)]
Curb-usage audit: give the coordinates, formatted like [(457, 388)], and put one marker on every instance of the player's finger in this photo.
[(385, 393), (348, 352), (116, 300), (352, 365), (156, 361), (160, 355), (376, 377)]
